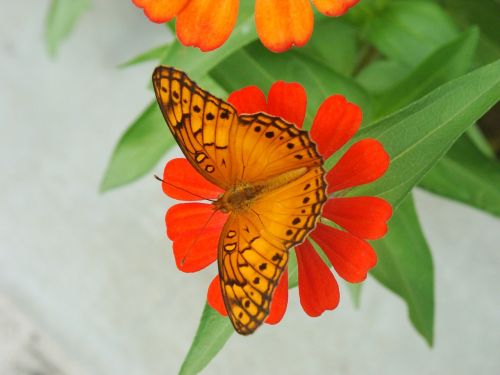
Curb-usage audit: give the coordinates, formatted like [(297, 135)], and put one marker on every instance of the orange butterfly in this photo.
[(273, 181)]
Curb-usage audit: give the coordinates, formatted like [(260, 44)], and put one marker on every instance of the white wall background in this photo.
[(94, 273)]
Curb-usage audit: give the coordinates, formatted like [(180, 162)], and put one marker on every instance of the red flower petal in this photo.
[(206, 24), (279, 302), (183, 182), (335, 123), (283, 23), (160, 11), (364, 162), (334, 7), (194, 254), (195, 230), (318, 289), (248, 100), (351, 257), (189, 219), (214, 296), (365, 217), (288, 101)]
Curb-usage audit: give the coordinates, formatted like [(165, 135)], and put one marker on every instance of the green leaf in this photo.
[(419, 135), (381, 75), (139, 149), (153, 54), (293, 271), (263, 69), (332, 44), (449, 61), (355, 292), (405, 267), (61, 19), (468, 176), (408, 31), (480, 141), (362, 14), (213, 332)]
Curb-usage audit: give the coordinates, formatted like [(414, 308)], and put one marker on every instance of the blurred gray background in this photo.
[(88, 284)]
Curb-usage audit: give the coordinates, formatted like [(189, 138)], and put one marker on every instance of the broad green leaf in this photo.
[(449, 61), (408, 31), (197, 63), (381, 75), (139, 149), (262, 69), (332, 44), (61, 19), (418, 136), (467, 175), (213, 332), (153, 54), (405, 267)]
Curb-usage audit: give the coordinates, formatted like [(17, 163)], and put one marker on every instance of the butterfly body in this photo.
[(238, 198), (241, 196), (274, 185)]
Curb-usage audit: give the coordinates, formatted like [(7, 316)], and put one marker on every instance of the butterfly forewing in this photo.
[(199, 122), (264, 146)]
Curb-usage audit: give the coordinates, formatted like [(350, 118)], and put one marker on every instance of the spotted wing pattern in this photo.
[(253, 247), (256, 149), (263, 146), (224, 147), (199, 122)]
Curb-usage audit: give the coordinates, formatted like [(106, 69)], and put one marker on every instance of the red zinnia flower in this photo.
[(356, 219), (207, 24)]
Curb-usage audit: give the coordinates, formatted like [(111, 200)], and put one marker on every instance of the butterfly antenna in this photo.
[(202, 229), (186, 191)]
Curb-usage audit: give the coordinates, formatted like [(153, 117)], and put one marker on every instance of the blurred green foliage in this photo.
[(61, 18)]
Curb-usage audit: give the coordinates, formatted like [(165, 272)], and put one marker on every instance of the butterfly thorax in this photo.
[(240, 196)]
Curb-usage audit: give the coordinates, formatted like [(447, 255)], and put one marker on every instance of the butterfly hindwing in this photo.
[(253, 247), (291, 211), (251, 263)]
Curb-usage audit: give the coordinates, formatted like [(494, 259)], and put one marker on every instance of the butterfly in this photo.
[(273, 181)]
